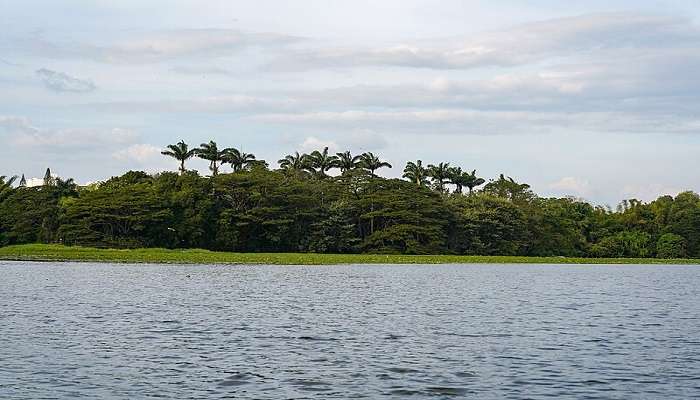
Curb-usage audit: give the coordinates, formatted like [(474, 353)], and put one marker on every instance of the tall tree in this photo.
[(295, 163), (464, 179), (471, 181), (347, 162), (416, 173), (440, 174), (320, 162), (372, 163), (456, 178), (239, 160), (180, 152), (210, 152)]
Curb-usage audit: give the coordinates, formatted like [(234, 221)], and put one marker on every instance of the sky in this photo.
[(598, 100)]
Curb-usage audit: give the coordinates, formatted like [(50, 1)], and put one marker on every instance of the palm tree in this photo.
[(239, 160), (294, 162), (416, 173), (347, 162), (457, 178), (372, 163), (6, 186), (440, 174), (471, 181), (67, 187), (319, 162), (180, 152), (210, 152)]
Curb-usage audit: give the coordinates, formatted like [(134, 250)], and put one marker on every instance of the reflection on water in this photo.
[(270, 332)]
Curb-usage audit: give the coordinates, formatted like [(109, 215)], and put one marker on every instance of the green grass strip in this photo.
[(52, 252)]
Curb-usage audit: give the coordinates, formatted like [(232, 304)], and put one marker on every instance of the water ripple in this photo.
[(419, 332)]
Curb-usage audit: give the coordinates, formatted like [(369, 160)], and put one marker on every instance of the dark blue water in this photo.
[(268, 332)]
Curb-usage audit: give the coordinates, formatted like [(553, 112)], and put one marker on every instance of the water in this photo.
[(268, 332)]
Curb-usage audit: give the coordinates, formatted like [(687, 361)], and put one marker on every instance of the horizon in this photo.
[(594, 100)]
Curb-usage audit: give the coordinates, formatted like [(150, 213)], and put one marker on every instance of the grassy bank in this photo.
[(42, 252)]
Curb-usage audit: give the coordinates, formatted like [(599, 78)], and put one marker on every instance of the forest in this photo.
[(337, 203)]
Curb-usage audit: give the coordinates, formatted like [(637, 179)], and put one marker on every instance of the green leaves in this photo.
[(180, 152), (210, 152), (320, 162), (238, 159), (372, 163), (416, 173), (255, 210)]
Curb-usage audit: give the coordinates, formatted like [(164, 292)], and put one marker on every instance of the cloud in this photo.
[(153, 47), (570, 185), (357, 141), (364, 140), (663, 84), (202, 70), (60, 82), (141, 153), (20, 124), (312, 143), (477, 122), (210, 104), (9, 63), (648, 192), (23, 133), (650, 83), (571, 36)]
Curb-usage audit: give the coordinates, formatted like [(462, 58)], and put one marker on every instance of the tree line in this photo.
[(302, 207)]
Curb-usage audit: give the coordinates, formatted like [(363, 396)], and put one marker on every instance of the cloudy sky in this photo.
[(599, 100)]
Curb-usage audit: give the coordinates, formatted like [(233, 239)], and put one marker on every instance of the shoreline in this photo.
[(60, 253)]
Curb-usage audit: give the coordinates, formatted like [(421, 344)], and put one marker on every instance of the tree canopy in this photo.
[(303, 207)]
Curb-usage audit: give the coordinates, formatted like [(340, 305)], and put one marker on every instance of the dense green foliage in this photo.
[(437, 209)]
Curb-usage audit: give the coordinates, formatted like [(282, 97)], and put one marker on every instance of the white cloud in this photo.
[(210, 104), (312, 143), (477, 122), (23, 133), (9, 63), (527, 43), (13, 123), (570, 185), (60, 82), (648, 192), (202, 70), (153, 47), (141, 153), (362, 140)]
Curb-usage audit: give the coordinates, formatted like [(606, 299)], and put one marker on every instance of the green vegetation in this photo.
[(54, 252), (333, 204)]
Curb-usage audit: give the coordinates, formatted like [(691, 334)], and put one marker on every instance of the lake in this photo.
[(358, 331)]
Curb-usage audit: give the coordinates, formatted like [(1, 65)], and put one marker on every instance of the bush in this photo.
[(632, 244)]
